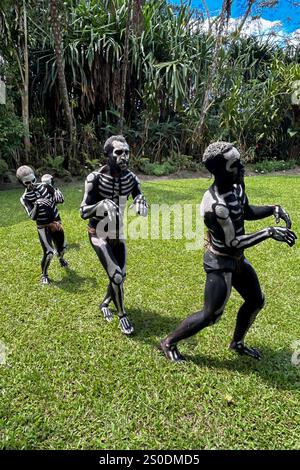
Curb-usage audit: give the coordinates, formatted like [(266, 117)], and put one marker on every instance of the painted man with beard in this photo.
[(106, 192), (225, 207)]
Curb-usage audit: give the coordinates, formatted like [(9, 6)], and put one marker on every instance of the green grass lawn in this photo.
[(73, 381)]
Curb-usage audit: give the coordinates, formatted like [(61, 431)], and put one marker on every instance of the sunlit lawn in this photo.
[(73, 381)]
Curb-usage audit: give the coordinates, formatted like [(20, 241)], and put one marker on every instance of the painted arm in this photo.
[(260, 212), (30, 207), (89, 203), (245, 241)]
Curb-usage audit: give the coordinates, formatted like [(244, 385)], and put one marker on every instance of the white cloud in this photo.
[(294, 38), (252, 27), (258, 27)]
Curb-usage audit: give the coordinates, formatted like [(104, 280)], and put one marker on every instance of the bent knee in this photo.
[(215, 318), (117, 277), (258, 302), (262, 301), (212, 317)]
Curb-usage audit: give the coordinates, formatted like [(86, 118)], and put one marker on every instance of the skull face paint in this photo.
[(232, 156), (26, 176), (234, 164), (120, 154)]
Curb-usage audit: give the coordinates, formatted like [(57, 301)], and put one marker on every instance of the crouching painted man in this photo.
[(106, 193), (225, 207), (39, 201)]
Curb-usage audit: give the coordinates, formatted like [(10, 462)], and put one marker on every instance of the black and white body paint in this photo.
[(225, 207), (39, 201), (106, 190)]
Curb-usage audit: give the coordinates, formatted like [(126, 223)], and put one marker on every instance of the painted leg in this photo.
[(106, 255), (247, 284), (48, 253), (217, 291), (59, 241), (104, 306)]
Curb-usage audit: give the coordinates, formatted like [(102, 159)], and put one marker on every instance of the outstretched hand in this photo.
[(280, 213), (140, 205), (282, 234), (58, 197), (107, 208)]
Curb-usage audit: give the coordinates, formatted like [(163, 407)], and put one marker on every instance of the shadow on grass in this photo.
[(150, 323), (73, 246), (75, 283), (275, 368), (171, 195)]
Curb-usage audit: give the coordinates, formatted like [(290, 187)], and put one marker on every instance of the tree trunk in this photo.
[(225, 13), (25, 91), (137, 17), (125, 67), (245, 17), (58, 46)]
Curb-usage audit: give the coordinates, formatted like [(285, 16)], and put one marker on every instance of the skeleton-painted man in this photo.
[(106, 192), (225, 206), (39, 201)]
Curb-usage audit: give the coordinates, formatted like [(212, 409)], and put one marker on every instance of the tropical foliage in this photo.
[(143, 67)]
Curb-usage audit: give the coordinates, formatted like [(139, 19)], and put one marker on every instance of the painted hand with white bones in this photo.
[(280, 213), (107, 208), (141, 206)]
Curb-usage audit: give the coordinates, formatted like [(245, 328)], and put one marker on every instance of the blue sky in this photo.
[(285, 12)]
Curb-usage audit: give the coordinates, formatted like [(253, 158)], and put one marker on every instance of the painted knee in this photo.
[(49, 255), (117, 277), (211, 318), (258, 303), (62, 251), (215, 318), (262, 301)]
